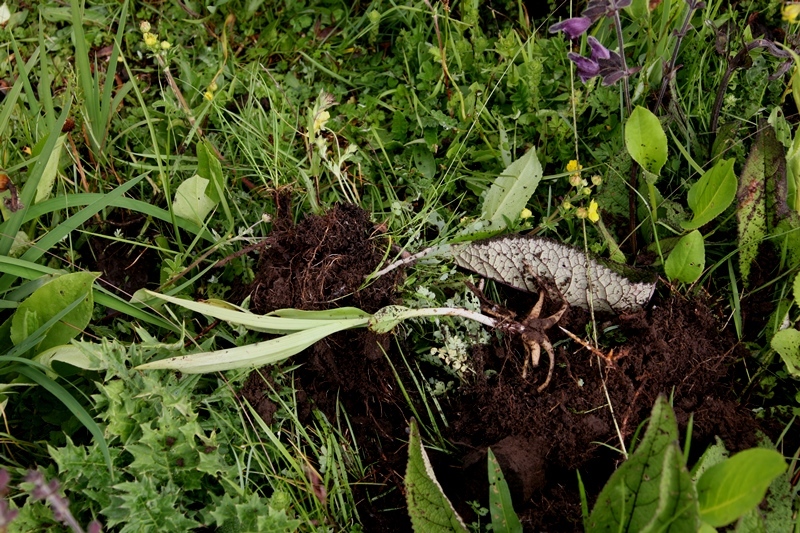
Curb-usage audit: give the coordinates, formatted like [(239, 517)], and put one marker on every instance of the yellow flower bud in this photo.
[(166, 45), (144, 26), (597, 180), (575, 180), (581, 212), (526, 213)]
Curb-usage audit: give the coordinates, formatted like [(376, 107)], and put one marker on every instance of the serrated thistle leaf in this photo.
[(652, 490), (428, 507), (518, 260), (750, 198)]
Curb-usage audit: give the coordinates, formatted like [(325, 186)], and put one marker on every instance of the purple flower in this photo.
[(575, 27), (603, 62), (572, 28)]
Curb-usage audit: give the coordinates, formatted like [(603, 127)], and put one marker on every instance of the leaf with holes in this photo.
[(520, 260)]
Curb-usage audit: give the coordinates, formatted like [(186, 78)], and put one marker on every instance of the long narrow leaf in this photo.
[(258, 354), (83, 199), (63, 229), (29, 189), (265, 323)]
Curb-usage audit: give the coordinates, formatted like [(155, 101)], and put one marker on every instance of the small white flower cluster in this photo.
[(458, 335)]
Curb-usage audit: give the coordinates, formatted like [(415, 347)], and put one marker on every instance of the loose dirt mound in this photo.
[(676, 347)]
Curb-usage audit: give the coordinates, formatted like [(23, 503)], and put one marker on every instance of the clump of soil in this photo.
[(322, 263), (676, 347)]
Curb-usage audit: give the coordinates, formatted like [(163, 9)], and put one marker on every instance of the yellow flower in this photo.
[(208, 95), (574, 166), (149, 39), (593, 215), (790, 12), (526, 213)]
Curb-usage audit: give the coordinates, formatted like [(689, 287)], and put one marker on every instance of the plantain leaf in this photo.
[(787, 343), (511, 191), (286, 321), (253, 355), (191, 200), (429, 508), (751, 211), (47, 301)]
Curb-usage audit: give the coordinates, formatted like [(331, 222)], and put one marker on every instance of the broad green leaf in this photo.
[(511, 191), (257, 354), (504, 519), (731, 488), (191, 201), (72, 355), (765, 156), (712, 194), (430, 510), (49, 300), (652, 490), (645, 140), (687, 260), (787, 343)]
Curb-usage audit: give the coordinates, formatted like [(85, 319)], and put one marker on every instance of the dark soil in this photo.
[(125, 268), (676, 347)]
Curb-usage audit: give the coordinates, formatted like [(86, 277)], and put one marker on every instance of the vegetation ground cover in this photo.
[(238, 292)]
